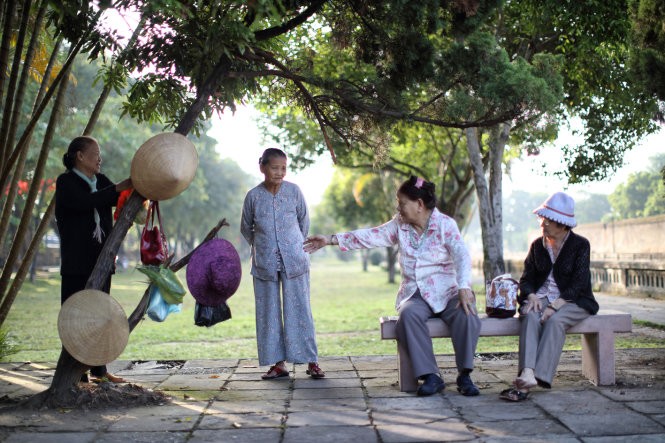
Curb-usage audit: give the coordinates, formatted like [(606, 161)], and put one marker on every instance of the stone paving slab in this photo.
[(437, 431), (330, 434), (51, 437), (329, 404), (248, 435), (246, 420), (325, 393), (359, 401)]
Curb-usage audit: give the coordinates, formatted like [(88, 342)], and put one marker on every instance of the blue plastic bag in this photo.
[(158, 308)]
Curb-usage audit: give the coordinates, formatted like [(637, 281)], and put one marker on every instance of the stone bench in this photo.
[(597, 342)]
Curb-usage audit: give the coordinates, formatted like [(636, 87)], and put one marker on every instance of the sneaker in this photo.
[(314, 371), (466, 387), (276, 371), (433, 384)]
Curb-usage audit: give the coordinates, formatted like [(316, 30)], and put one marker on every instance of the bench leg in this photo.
[(407, 381), (598, 358)]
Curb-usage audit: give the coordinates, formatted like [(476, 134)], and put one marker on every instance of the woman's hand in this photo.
[(532, 304), (125, 184), (467, 300), (552, 308), (315, 242)]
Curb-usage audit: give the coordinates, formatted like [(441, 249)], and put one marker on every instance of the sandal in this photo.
[(513, 394), (108, 377), (276, 371), (314, 371)]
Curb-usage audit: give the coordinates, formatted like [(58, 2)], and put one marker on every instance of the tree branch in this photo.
[(266, 34)]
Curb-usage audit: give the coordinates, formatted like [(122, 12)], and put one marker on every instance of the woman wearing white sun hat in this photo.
[(555, 294)]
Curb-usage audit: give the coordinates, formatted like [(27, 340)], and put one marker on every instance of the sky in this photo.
[(239, 139)]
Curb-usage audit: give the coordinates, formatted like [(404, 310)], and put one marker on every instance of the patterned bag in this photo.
[(501, 297)]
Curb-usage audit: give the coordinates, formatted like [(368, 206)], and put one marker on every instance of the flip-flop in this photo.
[(513, 394)]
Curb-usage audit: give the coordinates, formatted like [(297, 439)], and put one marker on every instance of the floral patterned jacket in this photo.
[(439, 267)]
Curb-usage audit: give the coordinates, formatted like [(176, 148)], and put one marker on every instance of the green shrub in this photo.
[(7, 347)]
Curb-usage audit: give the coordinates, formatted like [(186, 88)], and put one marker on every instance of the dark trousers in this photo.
[(70, 285)]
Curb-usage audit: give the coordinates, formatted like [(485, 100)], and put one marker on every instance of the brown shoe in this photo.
[(276, 371), (314, 371)]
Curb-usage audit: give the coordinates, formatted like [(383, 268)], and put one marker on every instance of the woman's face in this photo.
[(274, 171), (408, 209), (89, 160), (551, 228)]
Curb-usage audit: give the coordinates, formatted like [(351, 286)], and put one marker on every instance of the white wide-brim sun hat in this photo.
[(559, 207)]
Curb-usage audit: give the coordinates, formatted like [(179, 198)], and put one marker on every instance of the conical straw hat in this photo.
[(93, 327), (164, 166)]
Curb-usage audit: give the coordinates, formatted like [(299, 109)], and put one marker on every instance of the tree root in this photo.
[(95, 396)]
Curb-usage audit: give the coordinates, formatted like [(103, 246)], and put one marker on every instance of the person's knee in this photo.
[(555, 323)]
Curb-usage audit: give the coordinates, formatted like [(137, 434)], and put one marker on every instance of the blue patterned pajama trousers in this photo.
[(284, 323)]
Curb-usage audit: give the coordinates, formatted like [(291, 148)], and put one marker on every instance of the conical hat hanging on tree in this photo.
[(93, 327), (164, 166)]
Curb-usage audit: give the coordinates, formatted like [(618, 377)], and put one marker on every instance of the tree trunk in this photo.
[(26, 217), (10, 157), (68, 372), (364, 259), (63, 391), (5, 50), (22, 270), (489, 197), (391, 259), (11, 98)]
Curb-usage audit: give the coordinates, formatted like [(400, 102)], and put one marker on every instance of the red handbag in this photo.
[(154, 247)]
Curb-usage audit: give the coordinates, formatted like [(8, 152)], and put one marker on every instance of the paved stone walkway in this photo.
[(358, 401)]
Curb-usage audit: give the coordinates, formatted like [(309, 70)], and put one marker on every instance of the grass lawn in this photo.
[(346, 304)]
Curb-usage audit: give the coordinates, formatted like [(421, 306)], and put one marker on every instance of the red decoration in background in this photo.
[(122, 198)]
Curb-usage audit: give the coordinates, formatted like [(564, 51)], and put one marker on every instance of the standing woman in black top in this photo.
[(84, 199)]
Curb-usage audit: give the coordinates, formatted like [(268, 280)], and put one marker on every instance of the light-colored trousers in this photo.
[(284, 323), (411, 329), (541, 344)]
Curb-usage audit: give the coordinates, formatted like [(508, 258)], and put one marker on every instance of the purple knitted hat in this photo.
[(213, 272)]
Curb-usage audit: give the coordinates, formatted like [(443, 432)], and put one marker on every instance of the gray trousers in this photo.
[(541, 344), (411, 329), (284, 323)]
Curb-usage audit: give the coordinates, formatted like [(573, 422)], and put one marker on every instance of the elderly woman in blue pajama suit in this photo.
[(275, 223)]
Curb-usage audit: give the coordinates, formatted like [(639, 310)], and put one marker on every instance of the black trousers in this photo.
[(70, 285)]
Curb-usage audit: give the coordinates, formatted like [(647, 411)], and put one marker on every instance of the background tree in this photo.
[(630, 199), (592, 208), (356, 200), (536, 64), (648, 48)]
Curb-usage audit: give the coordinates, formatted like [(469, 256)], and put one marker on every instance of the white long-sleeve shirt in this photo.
[(439, 267)]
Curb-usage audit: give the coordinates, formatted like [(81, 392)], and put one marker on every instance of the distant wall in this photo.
[(633, 236), (627, 256)]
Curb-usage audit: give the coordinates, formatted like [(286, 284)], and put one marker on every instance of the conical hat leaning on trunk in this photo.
[(164, 166), (93, 327)]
